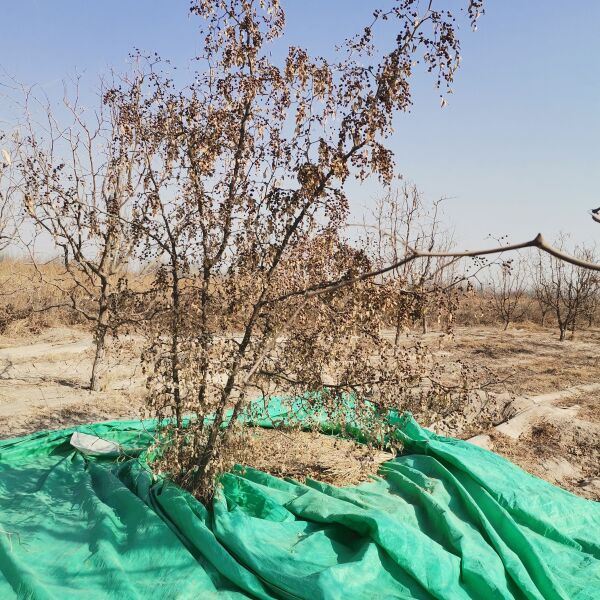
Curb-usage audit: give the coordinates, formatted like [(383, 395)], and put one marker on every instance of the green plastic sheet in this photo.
[(445, 520)]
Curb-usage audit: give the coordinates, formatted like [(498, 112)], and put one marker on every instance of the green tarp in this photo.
[(446, 520)]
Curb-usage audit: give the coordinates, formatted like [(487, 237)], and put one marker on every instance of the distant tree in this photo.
[(10, 221), (401, 221), (9, 194), (565, 289), (509, 294), (591, 308), (543, 306)]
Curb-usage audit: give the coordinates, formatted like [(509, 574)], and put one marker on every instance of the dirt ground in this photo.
[(554, 432), (531, 359), (43, 383)]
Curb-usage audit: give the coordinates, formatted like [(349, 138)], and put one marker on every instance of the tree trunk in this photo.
[(398, 328), (175, 300), (573, 327), (100, 340), (100, 333)]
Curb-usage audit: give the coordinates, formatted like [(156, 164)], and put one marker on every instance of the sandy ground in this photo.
[(554, 431), (43, 383), (531, 360)]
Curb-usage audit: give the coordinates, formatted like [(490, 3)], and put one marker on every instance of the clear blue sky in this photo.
[(517, 148)]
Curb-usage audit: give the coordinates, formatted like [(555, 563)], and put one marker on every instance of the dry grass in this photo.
[(529, 361), (34, 298), (301, 454), (26, 293), (25, 287), (566, 453)]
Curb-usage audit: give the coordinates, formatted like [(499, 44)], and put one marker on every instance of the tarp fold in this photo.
[(445, 520)]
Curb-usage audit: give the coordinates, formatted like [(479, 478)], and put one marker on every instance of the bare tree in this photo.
[(509, 299), (10, 222), (591, 308), (9, 192), (78, 181), (540, 296), (565, 289), (401, 221)]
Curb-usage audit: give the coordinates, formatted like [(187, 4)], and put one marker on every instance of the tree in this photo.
[(10, 222), (509, 292), (540, 297), (591, 308), (566, 289), (242, 203), (402, 221), (78, 182), (9, 191)]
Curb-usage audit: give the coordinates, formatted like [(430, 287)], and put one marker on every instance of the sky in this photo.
[(516, 151)]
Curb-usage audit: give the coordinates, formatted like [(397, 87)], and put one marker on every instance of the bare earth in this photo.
[(554, 433), (43, 383)]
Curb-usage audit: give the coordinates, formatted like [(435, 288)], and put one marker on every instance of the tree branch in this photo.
[(537, 242)]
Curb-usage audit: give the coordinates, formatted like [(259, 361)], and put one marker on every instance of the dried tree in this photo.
[(401, 221), (243, 198), (565, 289), (509, 293), (241, 206), (77, 183)]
